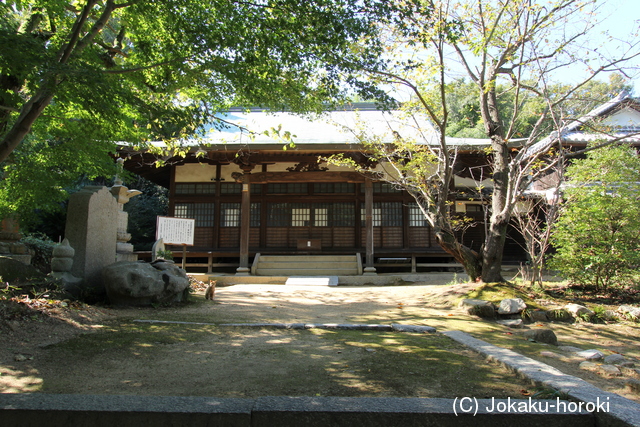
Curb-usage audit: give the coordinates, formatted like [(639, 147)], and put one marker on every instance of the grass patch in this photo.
[(245, 362), (496, 292)]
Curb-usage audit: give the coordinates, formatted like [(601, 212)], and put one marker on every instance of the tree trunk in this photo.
[(493, 251), (469, 258), (30, 112)]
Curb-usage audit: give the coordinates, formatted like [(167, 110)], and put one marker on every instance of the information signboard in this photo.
[(175, 231)]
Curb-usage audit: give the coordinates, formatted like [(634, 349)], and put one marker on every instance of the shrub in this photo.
[(42, 247), (598, 229)]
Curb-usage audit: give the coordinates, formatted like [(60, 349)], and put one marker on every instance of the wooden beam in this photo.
[(287, 177)]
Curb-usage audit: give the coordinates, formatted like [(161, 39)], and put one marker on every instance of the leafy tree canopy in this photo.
[(597, 233), (78, 76), (511, 54)]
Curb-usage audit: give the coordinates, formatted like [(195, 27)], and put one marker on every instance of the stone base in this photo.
[(243, 271), (126, 256), (70, 283), (369, 271)]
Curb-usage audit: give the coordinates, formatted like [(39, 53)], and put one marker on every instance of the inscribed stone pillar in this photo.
[(92, 227)]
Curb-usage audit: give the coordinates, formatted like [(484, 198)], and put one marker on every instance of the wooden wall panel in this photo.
[(344, 237), (420, 237), (254, 237), (277, 237), (229, 237), (203, 237), (296, 233), (392, 237)]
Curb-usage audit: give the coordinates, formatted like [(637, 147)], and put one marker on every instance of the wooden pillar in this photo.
[(369, 269), (245, 228)]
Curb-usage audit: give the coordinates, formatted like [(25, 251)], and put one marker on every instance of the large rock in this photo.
[(559, 315), (630, 311), (511, 306), (541, 335), (578, 310), (590, 355), (139, 283), (480, 308), (15, 271)]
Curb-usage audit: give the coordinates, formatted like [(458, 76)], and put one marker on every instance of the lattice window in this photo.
[(291, 188), (205, 188), (343, 215), (255, 214), (337, 188), (300, 216), (230, 213), (383, 187), (320, 217), (203, 213), (416, 217), (278, 214), (230, 188), (385, 214)]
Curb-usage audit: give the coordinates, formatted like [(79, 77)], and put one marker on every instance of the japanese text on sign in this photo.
[(175, 231)]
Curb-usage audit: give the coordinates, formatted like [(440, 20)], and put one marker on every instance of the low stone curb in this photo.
[(343, 326), (18, 410), (619, 411)]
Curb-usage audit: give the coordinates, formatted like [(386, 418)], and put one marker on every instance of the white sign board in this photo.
[(175, 231)]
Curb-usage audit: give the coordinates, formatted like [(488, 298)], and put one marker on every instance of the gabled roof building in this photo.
[(252, 193)]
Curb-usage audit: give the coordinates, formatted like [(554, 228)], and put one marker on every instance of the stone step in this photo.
[(305, 272), (307, 265), (305, 258)]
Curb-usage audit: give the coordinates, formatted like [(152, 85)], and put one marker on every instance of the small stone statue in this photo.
[(61, 263)]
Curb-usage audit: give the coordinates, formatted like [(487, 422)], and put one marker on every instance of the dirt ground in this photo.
[(103, 350)]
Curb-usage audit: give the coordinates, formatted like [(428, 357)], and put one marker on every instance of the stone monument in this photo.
[(157, 246), (61, 263), (9, 241), (124, 250), (92, 227)]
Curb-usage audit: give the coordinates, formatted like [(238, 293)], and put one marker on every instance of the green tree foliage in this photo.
[(510, 54), (598, 231), (143, 211), (79, 76)]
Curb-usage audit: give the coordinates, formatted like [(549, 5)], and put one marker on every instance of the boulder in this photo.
[(541, 335), (511, 323), (16, 271), (633, 385), (610, 315), (589, 366), (511, 306), (141, 284), (609, 370), (559, 315), (590, 355), (630, 311), (480, 308), (538, 316), (577, 310), (615, 359)]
